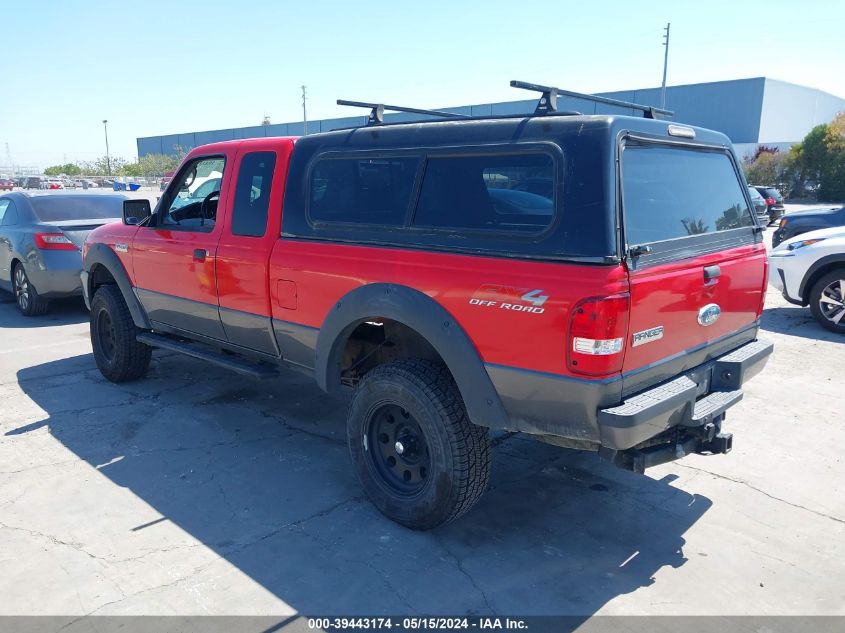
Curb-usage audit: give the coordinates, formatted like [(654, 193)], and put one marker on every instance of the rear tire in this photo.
[(827, 301), (27, 299), (420, 460), (118, 355)]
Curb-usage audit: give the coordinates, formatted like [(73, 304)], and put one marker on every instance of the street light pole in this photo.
[(108, 160), (665, 65), (304, 114)]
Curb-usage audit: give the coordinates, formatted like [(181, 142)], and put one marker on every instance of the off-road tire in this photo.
[(815, 301), (118, 355), (27, 299), (458, 452)]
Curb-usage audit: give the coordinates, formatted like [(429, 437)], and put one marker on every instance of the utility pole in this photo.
[(108, 160), (304, 114), (665, 65)]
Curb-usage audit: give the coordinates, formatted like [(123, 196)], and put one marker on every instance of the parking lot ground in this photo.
[(196, 491)]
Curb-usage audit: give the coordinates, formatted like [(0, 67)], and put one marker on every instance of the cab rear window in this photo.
[(366, 191), (508, 193), (671, 192)]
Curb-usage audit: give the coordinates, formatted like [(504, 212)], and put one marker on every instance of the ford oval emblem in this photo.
[(709, 314)]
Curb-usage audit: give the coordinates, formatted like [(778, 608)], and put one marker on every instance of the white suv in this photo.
[(810, 270)]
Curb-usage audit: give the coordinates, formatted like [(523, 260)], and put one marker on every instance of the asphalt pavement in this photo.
[(196, 491)]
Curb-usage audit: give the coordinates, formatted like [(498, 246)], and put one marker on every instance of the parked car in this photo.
[(6, 184), (31, 182), (84, 183), (760, 206), (809, 270), (168, 176), (805, 221), (52, 183), (40, 243), (774, 202), (394, 273)]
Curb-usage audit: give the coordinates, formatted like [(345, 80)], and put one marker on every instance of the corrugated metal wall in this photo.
[(749, 111), (790, 111)]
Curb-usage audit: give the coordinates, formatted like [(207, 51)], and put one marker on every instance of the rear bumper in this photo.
[(83, 277), (689, 402), (56, 274)]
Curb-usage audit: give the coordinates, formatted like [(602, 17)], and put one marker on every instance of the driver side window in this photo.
[(191, 204)]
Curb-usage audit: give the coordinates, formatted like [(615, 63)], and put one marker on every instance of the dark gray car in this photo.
[(41, 237), (760, 206)]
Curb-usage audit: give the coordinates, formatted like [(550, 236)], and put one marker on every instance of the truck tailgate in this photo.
[(689, 304)]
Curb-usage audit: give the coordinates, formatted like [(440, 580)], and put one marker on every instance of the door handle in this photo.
[(711, 273), (200, 254)]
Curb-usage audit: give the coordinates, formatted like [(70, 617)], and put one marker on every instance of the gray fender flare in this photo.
[(429, 319), (101, 255)]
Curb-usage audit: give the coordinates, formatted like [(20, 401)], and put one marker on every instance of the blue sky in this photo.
[(182, 66)]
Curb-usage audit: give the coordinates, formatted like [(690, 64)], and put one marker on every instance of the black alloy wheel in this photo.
[(399, 451), (419, 458), (106, 335)]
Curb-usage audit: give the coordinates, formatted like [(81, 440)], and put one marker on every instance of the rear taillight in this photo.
[(597, 331), (770, 201), (54, 242)]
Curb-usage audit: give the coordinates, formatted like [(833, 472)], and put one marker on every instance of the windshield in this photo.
[(74, 207)]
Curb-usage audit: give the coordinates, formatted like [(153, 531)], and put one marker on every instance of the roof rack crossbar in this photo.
[(548, 100), (376, 115)]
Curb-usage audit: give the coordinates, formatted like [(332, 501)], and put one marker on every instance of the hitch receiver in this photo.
[(721, 444)]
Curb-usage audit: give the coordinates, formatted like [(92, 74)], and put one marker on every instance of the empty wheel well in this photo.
[(377, 341), (99, 276)]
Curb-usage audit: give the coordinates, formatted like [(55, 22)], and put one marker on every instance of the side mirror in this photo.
[(136, 211)]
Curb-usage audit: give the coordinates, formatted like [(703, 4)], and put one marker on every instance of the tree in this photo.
[(767, 168), (100, 166), (832, 180), (809, 157), (68, 169), (157, 164), (820, 159)]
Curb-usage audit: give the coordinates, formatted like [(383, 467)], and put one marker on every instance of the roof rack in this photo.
[(548, 101), (376, 116)]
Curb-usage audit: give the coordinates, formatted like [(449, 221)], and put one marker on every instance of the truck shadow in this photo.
[(259, 474), (797, 321)]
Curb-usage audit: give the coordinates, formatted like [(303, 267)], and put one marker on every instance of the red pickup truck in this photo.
[(593, 281)]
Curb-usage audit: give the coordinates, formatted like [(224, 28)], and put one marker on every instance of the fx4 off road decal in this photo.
[(528, 300)]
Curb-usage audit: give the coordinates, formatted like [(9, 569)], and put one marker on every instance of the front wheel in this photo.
[(420, 460), (118, 355), (827, 301)]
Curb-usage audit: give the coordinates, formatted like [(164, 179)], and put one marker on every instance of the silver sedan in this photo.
[(41, 238)]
